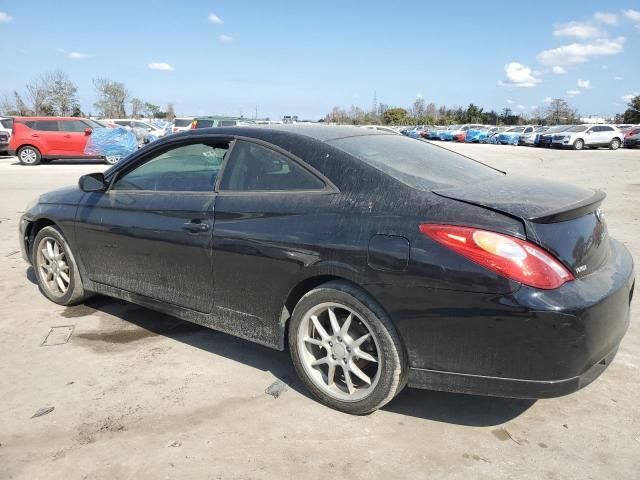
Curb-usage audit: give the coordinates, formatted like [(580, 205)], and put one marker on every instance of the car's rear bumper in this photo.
[(528, 343), (506, 387)]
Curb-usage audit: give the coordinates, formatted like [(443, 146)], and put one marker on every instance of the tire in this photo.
[(48, 244), (369, 334), (578, 144), (614, 144), (29, 155), (112, 159)]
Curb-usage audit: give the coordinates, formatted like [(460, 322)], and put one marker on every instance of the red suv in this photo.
[(42, 139)]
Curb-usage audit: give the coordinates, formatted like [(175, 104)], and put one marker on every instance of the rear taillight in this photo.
[(193, 124), (507, 256)]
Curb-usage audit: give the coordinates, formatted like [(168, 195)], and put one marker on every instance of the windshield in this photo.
[(516, 129), (577, 128), (415, 163)]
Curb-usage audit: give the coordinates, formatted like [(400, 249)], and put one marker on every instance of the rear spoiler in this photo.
[(570, 212)]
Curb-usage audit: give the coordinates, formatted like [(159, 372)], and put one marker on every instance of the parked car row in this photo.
[(576, 137)]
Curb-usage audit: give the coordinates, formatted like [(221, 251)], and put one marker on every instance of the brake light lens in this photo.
[(508, 256)]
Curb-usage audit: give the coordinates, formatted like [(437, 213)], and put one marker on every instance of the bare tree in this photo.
[(137, 107), (419, 108), (61, 93), (112, 98), (7, 104), (37, 93), (559, 112), (21, 108), (170, 113)]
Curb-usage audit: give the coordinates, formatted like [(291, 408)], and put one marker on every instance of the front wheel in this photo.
[(345, 349), (29, 156), (56, 268), (578, 144), (614, 144)]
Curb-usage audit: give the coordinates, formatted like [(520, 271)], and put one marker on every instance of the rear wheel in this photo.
[(345, 349), (578, 144), (56, 268), (29, 156), (112, 159), (614, 144)]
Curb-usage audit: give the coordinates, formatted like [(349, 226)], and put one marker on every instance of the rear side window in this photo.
[(46, 125), (204, 123), (255, 168), (182, 122), (6, 123), (416, 163), (74, 126), (606, 129)]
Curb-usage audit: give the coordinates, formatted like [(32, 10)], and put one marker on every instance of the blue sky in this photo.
[(293, 57)]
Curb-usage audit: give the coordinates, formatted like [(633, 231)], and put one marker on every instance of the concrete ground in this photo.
[(141, 395)]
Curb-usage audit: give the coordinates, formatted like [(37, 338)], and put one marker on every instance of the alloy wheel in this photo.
[(28, 155), (339, 351), (53, 267)]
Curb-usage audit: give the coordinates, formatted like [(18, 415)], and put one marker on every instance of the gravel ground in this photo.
[(137, 394)]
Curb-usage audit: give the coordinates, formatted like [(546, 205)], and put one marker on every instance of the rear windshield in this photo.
[(204, 123), (182, 122), (416, 163)]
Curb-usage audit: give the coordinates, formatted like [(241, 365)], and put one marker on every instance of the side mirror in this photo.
[(149, 129), (92, 182), (87, 131)]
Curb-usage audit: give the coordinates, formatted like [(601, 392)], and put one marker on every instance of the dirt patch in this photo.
[(116, 336)]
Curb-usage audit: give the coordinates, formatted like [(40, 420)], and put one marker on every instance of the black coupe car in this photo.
[(376, 259)]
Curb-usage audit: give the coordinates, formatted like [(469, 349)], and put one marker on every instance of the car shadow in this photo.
[(459, 409)]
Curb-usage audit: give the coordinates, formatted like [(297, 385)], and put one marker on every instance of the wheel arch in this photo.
[(34, 227), (304, 286)]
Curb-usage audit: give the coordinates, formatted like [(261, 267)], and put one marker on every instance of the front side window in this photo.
[(189, 168), (256, 168), (74, 126), (46, 125)]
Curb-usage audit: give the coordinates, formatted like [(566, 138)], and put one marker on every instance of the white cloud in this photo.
[(629, 96), (519, 75), (618, 77), (5, 18), (604, 67), (577, 30), (606, 17), (225, 38), (581, 52), (547, 100), (521, 107), (213, 18), (509, 101), (573, 93), (584, 83), (419, 95), (161, 66), (77, 55), (558, 70), (633, 15)]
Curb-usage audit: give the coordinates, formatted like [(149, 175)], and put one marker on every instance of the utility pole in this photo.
[(375, 103)]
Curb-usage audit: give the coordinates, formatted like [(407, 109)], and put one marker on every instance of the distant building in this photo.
[(592, 119)]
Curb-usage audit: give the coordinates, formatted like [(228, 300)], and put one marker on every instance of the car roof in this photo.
[(323, 133), (49, 118)]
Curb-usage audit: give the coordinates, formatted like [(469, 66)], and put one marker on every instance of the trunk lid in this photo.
[(565, 220)]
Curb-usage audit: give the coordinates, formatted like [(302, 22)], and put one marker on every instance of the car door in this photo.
[(74, 137), (48, 133), (150, 233), (593, 136), (271, 213)]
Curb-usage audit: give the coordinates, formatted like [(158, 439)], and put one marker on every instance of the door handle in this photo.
[(35, 135), (67, 136), (195, 226)]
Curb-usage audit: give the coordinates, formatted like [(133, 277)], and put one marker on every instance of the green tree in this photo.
[(632, 114), (394, 116), (112, 98)]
